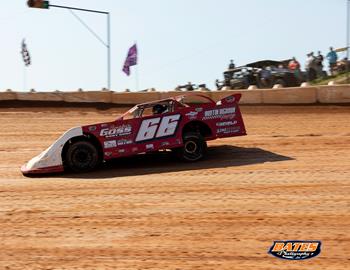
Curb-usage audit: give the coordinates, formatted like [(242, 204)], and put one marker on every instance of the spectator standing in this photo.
[(310, 67), (319, 64), (231, 65), (332, 59), (217, 83), (265, 77), (189, 86), (294, 66)]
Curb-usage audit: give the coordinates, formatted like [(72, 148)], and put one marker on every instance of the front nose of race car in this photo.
[(41, 164), (50, 161)]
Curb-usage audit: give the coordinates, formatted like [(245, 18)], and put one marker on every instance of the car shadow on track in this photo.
[(163, 162)]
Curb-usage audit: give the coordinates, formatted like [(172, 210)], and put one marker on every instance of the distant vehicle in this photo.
[(263, 74), (342, 66), (183, 124), (190, 87)]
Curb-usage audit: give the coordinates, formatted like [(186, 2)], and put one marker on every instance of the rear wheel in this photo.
[(194, 147), (82, 156)]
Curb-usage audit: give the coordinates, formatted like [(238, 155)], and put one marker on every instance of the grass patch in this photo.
[(338, 79)]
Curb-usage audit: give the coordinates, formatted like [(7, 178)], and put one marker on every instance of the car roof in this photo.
[(237, 69), (264, 63)]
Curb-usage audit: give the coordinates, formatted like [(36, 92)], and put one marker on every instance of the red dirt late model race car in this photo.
[(173, 123)]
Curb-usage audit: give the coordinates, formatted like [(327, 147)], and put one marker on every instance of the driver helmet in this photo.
[(159, 109)]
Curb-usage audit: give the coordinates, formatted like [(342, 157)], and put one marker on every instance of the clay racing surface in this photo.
[(287, 180)]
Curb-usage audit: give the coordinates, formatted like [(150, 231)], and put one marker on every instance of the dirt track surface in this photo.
[(287, 180)]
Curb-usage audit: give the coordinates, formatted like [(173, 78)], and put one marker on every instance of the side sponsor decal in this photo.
[(108, 154), (158, 128), (149, 146), (114, 143), (164, 144), (228, 130), (110, 144), (124, 142), (111, 132), (295, 250), (225, 124), (92, 128), (192, 115), (219, 113), (228, 117)]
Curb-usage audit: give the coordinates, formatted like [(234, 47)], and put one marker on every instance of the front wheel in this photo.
[(194, 147), (82, 156)]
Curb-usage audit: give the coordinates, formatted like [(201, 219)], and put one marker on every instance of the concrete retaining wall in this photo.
[(248, 96), (89, 96), (334, 94), (169, 94), (40, 96), (8, 95), (135, 98), (302, 95), (305, 95)]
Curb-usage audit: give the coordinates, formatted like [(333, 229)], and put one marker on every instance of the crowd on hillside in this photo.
[(314, 66), (268, 73)]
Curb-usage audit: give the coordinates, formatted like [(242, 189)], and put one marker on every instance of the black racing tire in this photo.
[(194, 149), (82, 156)]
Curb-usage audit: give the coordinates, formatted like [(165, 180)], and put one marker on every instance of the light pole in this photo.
[(46, 5)]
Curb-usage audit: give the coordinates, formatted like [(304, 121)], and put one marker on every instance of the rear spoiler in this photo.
[(235, 98)]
